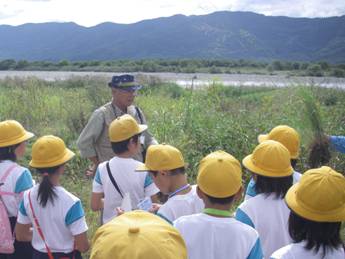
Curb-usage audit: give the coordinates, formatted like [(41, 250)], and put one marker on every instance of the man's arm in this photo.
[(88, 137)]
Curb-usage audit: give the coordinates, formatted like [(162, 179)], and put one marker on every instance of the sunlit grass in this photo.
[(197, 122)]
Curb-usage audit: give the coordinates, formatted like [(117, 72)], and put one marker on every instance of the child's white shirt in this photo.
[(298, 251), (138, 184), (269, 216), (18, 180), (209, 237), (60, 220), (181, 205)]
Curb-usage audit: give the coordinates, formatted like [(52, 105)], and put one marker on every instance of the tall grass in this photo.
[(197, 122)]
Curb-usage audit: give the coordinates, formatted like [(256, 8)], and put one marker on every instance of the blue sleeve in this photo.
[(24, 182), (74, 213), (148, 180), (98, 177), (256, 252), (22, 208), (251, 188), (338, 143), (243, 217)]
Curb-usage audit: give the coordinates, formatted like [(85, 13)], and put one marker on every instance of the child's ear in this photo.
[(199, 192), (238, 195), (132, 143)]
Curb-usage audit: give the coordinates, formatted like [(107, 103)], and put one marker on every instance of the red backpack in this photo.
[(6, 235)]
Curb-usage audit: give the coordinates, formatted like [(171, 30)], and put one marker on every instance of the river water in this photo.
[(198, 79)]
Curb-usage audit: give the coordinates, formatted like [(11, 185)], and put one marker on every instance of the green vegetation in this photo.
[(197, 122), (184, 66)]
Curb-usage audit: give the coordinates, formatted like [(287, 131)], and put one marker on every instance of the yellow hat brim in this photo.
[(142, 128), (23, 138), (66, 157), (337, 215), (262, 138), (248, 163), (142, 168)]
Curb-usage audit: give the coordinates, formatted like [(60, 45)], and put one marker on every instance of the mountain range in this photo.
[(220, 35)]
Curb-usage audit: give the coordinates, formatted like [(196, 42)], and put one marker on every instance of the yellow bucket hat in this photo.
[(286, 135), (124, 127), (49, 151), (219, 175), (319, 196), (162, 157), (138, 235), (12, 133), (270, 158)]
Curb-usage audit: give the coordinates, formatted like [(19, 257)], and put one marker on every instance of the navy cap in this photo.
[(124, 82)]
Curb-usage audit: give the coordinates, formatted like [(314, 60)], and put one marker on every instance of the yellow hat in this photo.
[(162, 157), (124, 127), (138, 235), (319, 196), (12, 133), (270, 158), (286, 135), (219, 175), (49, 151)]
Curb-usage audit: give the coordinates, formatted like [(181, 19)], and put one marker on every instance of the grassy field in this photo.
[(197, 122)]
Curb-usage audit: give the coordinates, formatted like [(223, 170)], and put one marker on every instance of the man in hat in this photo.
[(93, 141)]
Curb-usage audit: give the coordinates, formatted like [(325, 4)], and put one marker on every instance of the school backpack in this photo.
[(6, 235)]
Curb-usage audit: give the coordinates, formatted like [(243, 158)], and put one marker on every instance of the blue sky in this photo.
[(92, 12)]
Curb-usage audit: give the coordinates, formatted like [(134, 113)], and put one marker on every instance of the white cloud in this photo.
[(292, 8), (92, 12)]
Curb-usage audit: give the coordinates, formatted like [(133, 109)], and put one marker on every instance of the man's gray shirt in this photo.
[(94, 140)]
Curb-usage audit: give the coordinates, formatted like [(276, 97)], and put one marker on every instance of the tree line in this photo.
[(215, 66)]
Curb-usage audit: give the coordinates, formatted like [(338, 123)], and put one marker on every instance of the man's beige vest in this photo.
[(103, 145)]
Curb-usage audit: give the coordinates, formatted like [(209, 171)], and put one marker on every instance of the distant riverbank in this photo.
[(198, 79)]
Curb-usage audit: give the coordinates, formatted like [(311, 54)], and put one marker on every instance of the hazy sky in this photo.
[(92, 12)]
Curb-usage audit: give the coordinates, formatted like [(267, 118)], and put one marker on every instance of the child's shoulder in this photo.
[(16, 168), (253, 202), (189, 219), (123, 162), (66, 196)]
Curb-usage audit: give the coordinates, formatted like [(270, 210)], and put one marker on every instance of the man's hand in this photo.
[(119, 211), (91, 171), (155, 207)]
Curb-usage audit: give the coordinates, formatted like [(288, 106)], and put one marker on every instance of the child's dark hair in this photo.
[(272, 185), (221, 201), (317, 235), (293, 162), (7, 153), (177, 171), (122, 146), (46, 190)]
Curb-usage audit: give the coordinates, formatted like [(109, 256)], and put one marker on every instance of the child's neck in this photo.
[(178, 182), (126, 154)]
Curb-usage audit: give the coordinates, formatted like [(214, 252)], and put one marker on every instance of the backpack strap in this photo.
[(113, 180), (4, 177), (38, 227)]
